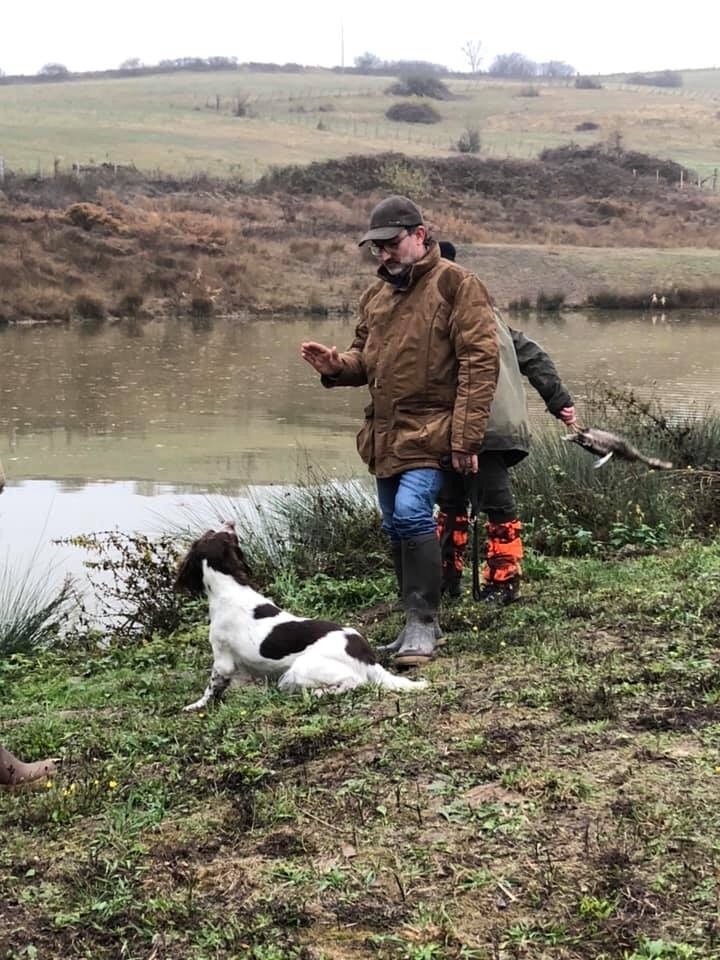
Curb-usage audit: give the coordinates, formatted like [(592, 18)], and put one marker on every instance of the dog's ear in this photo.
[(189, 577), (239, 567)]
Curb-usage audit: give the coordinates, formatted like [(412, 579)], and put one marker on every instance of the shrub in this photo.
[(587, 125), (421, 84), (549, 302), (522, 305), (469, 141), (609, 300), (89, 215), (129, 305), (404, 178), (201, 306), (528, 92), (571, 508), (241, 105), (406, 112), (587, 83), (130, 582), (90, 308)]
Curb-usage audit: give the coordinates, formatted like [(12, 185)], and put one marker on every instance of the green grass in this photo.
[(169, 122), (553, 793)]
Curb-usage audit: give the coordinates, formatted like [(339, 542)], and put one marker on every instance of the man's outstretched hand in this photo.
[(326, 360)]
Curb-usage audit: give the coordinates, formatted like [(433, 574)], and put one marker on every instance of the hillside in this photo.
[(126, 244), (187, 123)]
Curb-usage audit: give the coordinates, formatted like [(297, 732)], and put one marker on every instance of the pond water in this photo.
[(133, 426)]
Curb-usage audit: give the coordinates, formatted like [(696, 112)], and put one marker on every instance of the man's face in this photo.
[(400, 252)]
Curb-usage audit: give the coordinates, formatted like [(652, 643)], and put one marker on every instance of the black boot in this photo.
[(397, 555), (422, 578)]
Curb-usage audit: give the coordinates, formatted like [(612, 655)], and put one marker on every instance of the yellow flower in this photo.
[(112, 784), (49, 785)]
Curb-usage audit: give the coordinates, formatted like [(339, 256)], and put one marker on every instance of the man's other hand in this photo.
[(325, 360), (464, 462)]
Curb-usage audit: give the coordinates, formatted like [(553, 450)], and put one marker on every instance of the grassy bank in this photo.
[(552, 794)]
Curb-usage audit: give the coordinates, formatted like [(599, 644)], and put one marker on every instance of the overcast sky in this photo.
[(596, 37)]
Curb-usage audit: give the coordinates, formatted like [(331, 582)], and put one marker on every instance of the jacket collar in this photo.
[(418, 269)]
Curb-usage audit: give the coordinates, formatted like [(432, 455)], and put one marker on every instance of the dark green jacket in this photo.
[(508, 428)]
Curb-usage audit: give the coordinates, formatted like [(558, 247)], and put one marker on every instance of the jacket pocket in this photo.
[(422, 430), (365, 438)]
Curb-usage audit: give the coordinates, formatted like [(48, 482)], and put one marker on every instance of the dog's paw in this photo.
[(194, 707)]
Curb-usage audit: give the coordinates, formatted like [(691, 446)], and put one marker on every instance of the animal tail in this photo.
[(654, 463), (391, 681)]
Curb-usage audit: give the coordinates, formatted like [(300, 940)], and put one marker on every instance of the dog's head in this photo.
[(221, 550)]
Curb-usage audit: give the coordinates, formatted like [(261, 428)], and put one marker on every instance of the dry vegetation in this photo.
[(125, 244)]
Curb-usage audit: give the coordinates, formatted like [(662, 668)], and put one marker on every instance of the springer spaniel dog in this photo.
[(251, 637)]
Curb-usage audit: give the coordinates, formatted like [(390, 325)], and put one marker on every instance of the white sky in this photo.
[(601, 36)]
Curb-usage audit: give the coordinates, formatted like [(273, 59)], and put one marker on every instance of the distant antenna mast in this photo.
[(342, 46)]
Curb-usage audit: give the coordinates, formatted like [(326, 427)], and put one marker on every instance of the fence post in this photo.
[(2, 169), (714, 180), (682, 179)]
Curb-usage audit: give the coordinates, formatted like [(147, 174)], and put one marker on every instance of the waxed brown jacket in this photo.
[(428, 351)]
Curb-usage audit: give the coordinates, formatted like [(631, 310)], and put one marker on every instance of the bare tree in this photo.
[(471, 52), (132, 63), (556, 69), (513, 65)]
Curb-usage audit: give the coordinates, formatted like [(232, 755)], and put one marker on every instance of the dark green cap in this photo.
[(391, 216)]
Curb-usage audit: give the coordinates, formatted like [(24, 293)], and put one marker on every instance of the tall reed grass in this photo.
[(32, 612)]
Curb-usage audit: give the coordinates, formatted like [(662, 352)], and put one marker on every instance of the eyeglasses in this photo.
[(377, 246)]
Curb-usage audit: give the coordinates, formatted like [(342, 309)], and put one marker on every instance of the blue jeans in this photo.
[(407, 501)]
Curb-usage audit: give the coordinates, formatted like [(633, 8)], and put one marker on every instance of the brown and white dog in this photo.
[(251, 637)]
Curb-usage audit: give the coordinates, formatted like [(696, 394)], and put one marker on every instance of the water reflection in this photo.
[(230, 401), (121, 426)]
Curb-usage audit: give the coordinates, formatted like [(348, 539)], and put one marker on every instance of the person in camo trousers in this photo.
[(502, 449)]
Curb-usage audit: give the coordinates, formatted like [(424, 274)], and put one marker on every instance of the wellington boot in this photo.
[(16, 775), (422, 576), (396, 547)]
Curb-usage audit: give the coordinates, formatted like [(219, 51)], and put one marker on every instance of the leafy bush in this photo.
[(421, 84), (528, 92), (469, 141), (413, 113), (130, 585), (405, 178)]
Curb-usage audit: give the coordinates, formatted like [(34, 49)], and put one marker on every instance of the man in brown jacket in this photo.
[(426, 347)]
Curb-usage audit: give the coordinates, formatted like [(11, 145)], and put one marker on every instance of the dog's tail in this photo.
[(381, 677)]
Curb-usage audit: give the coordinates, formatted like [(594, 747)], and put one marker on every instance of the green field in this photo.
[(171, 122)]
